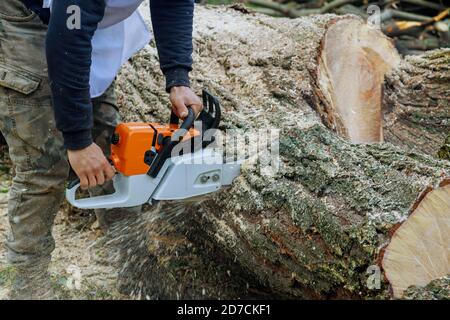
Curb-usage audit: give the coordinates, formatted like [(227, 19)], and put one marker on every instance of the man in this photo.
[(58, 60)]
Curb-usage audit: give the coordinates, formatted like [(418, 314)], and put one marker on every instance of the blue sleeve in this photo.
[(69, 61), (172, 26)]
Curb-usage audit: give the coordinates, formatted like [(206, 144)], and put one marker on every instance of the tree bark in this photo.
[(417, 102), (315, 227)]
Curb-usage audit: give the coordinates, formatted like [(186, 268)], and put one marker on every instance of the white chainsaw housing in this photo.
[(181, 177)]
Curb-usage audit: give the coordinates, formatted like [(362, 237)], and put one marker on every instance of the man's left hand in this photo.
[(182, 98)]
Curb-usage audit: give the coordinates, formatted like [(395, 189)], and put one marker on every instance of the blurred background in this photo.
[(415, 25)]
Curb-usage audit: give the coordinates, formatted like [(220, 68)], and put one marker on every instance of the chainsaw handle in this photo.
[(128, 193), (185, 126), (73, 184), (188, 121), (71, 191)]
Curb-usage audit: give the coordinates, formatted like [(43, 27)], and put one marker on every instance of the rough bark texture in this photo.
[(417, 102), (309, 231), (444, 152), (438, 289)]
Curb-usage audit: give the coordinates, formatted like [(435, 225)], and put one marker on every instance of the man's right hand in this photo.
[(91, 166)]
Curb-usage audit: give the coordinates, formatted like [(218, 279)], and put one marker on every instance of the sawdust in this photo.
[(81, 268)]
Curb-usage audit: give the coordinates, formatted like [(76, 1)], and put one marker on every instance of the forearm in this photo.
[(172, 26), (69, 62)]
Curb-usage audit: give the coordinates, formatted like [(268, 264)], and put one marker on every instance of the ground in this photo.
[(80, 268), (78, 252)]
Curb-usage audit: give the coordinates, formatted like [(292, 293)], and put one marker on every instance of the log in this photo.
[(315, 225), (417, 253), (444, 152), (416, 102), (438, 289)]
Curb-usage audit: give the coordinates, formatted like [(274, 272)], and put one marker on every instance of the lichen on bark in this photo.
[(417, 102), (438, 289)]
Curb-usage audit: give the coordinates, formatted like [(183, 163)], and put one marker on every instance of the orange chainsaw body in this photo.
[(132, 140)]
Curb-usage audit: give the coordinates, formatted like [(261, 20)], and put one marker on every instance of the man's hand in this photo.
[(182, 98), (91, 166)]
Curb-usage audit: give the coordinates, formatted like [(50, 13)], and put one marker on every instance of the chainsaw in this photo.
[(147, 169)]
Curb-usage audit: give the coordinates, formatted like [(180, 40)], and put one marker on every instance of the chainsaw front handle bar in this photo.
[(188, 121), (185, 126)]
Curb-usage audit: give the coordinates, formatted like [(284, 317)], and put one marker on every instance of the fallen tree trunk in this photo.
[(416, 102), (318, 224), (438, 289)]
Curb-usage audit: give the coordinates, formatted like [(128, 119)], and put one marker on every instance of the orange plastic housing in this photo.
[(134, 140)]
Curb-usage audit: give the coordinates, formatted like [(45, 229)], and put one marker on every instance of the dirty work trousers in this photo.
[(35, 145)]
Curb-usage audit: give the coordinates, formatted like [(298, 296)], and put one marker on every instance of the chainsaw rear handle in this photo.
[(128, 192), (73, 184), (77, 182)]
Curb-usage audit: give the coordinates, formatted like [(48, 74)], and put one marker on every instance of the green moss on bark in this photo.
[(438, 289)]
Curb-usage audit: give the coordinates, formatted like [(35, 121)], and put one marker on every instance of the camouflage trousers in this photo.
[(28, 125)]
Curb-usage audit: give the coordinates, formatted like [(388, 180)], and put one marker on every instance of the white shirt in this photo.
[(121, 33)]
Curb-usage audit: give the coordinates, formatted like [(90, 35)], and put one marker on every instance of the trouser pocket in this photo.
[(15, 10), (22, 38), (27, 121), (18, 79)]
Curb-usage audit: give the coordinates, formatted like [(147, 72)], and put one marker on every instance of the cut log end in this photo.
[(419, 251), (352, 64)]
